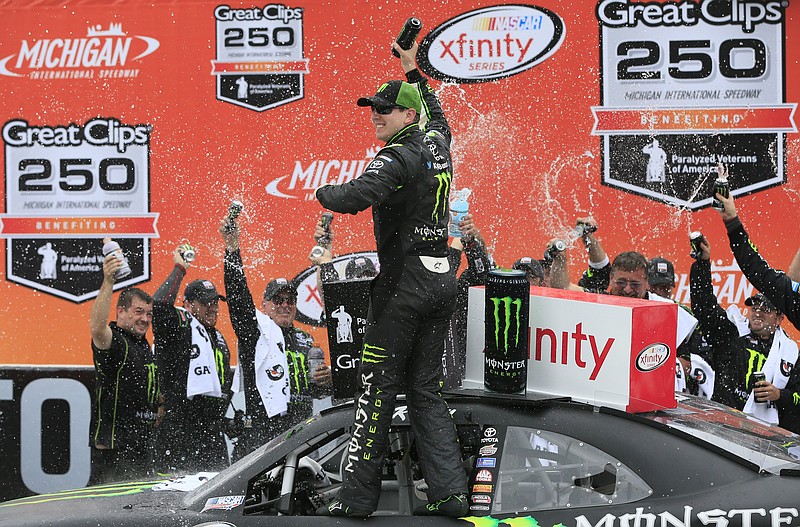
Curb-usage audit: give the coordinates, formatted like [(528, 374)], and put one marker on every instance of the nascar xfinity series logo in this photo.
[(491, 43), (102, 53)]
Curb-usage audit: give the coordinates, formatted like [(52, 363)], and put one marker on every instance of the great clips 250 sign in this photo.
[(68, 186), (687, 85)]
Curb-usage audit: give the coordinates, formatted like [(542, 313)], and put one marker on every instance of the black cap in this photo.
[(278, 285), (660, 271), (395, 93), (531, 266), (360, 267), (203, 291), (760, 299)]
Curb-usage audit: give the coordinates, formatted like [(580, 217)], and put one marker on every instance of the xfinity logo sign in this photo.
[(652, 357), (491, 43)]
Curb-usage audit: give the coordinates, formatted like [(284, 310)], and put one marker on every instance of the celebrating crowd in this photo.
[(163, 408)]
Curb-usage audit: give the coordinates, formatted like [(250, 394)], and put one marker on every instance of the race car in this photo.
[(534, 460)]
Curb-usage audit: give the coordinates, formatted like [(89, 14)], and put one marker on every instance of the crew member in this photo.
[(125, 404), (412, 298), (194, 364), (741, 346), (278, 385), (778, 287)]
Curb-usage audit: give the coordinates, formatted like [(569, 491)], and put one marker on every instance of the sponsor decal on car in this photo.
[(484, 475), (481, 498), (486, 462), (488, 450), (225, 503), (477, 489)]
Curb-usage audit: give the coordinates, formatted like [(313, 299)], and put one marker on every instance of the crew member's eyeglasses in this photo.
[(288, 300), (761, 308), (386, 110), (622, 283)]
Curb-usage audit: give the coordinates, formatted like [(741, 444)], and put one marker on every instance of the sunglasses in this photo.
[(288, 300), (622, 283), (386, 110)]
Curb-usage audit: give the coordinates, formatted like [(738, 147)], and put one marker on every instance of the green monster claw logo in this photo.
[(441, 195), (298, 368), (152, 382), (506, 302), (756, 363), (371, 356), (488, 521)]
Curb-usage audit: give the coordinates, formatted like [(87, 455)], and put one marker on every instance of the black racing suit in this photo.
[(776, 286), (411, 302), (297, 343), (124, 408), (191, 436), (735, 358), (784, 295), (478, 266)]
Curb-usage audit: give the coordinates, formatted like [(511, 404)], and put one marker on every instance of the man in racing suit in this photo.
[(412, 298), (739, 348), (779, 288), (279, 303)]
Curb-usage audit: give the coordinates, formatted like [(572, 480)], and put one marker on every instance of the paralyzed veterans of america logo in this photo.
[(491, 43), (102, 53), (260, 63)]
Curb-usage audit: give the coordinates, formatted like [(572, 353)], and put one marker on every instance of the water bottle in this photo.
[(459, 207), (316, 357), (112, 247)]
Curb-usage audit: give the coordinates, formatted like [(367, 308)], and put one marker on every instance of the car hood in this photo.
[(115, 504)]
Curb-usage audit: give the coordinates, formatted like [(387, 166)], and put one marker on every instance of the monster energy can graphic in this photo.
[(505, 367)]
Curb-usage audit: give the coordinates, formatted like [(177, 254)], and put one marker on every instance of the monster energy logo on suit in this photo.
[(505, 367)]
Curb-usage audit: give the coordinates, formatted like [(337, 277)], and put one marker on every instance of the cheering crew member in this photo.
[(741, 346), (126, 385), (412, 298), (779, 288), (194, 364), (273, 353)]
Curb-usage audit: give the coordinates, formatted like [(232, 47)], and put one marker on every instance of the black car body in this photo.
[(533, 461)]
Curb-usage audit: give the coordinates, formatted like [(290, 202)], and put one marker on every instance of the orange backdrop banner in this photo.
[(144, 122)]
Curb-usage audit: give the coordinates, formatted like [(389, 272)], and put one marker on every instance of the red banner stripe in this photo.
[(295, 66), (648, 120), (64, 226)]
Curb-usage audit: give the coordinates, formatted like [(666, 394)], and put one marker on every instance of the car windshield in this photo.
[(244, 465), (771, 448)]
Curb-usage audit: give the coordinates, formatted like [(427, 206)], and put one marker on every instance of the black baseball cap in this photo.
[(760, 299), (660, 271), (203, 291), (359, 267), (279, 285), (531, 266), (395, 93)]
